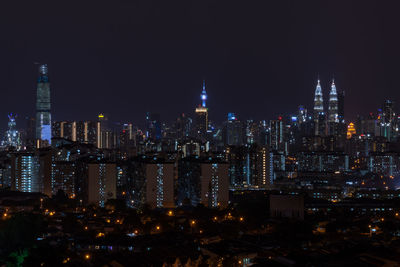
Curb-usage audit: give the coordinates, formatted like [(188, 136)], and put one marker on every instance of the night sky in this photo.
[(259, 58)]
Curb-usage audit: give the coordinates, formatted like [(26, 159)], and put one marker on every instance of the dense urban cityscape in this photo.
[(199, 133), (307, 188)]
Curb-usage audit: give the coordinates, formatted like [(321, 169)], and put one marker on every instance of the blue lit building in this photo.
[(43, 106), (204, 95)]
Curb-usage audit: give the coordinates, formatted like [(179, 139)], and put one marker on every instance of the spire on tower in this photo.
[(333, 89), (203, 95), (333, 103)]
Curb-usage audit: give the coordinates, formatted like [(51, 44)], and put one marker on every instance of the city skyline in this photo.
[(251, 62), (199, 133), (323, 105)]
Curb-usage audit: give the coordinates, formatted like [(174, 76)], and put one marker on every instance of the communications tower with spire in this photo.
[(202, 114), (203, 95)]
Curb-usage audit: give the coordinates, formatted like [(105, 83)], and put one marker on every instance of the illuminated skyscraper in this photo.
[(276, 134), (65, 129), (333, 104), (387, 121), (43, 116), (319, 115), (90, 132), (333, 111), (318, 101), (302, 115), (105, 136), (12, 137), (201, 120)]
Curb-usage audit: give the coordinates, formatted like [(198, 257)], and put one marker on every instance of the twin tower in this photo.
[(325, 123)]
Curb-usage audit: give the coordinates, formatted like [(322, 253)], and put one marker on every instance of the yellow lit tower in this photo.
[(351, 130)]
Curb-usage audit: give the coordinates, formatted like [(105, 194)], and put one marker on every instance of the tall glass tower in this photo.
[(43, 116)]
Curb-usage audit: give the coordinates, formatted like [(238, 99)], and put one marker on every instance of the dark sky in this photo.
[(260, 58)]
